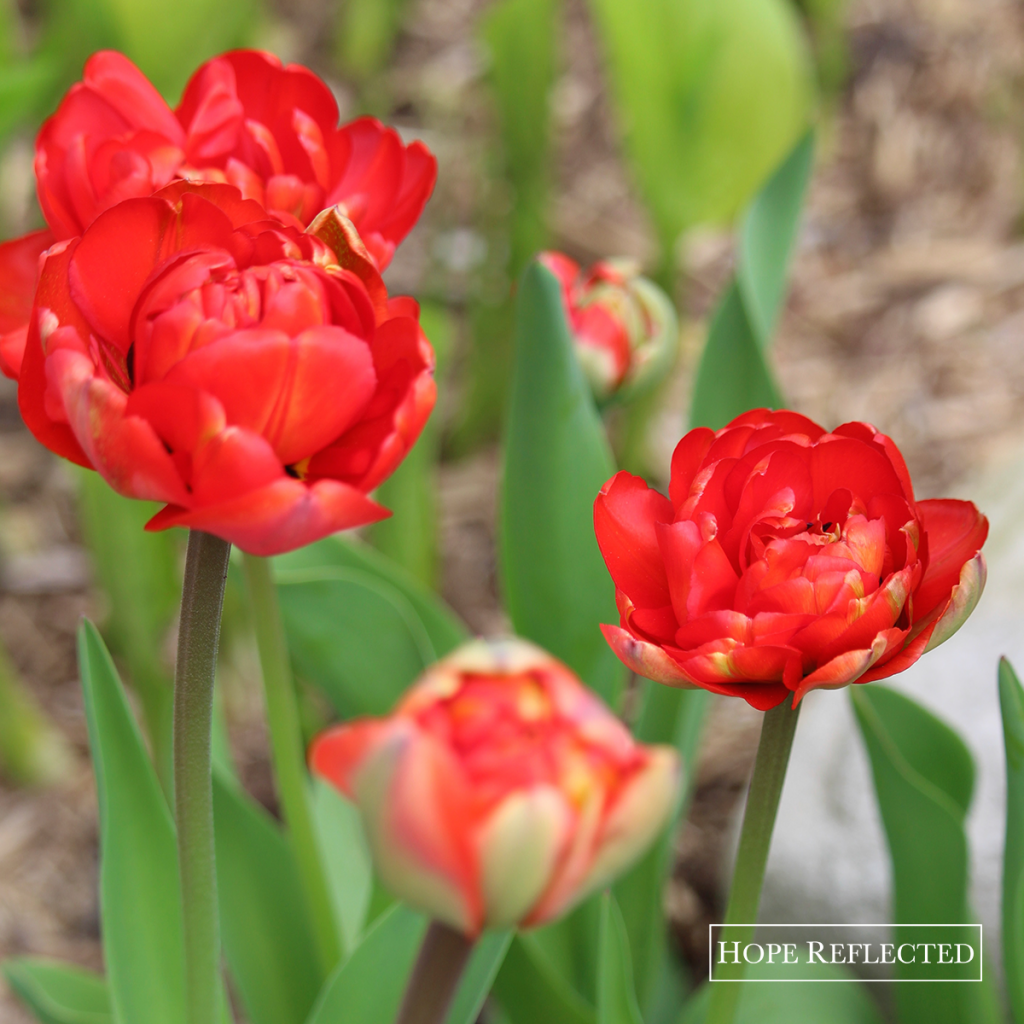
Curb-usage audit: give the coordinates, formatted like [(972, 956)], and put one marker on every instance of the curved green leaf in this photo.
[(924, 777), (484, 964), (368, 987), (355, 636), (616, 997), (556, 459), (140, 895), (445, 629), (1011, 700), (710, 95), (59, 993), (267, 937)]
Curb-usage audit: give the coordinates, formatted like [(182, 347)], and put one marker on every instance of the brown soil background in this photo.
[(907, 309)]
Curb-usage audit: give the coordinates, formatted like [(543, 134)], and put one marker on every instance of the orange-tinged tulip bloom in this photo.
[(500, 791)]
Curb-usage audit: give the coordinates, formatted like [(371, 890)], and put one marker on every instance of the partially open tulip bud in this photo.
[(500, 791), (785, 559), (624, 326)]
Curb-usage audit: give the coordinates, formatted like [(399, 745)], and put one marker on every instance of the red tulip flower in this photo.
[(785, 559), (244, 119), (500, 791), (197, 353), (624, 327)]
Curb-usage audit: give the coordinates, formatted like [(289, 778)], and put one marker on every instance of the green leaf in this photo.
[(140, 896), (346, 859), (616, 997), (445, 629), (733, 375), (484, 964), (794, 1002), (556, 459), (139, 573), (368, 987), (521, 37), (531, 991), (355, 636), (924, 777), (1011, 700), (767, 236), (267, 936), (409, 536), (710, 95), (365, 35), (59, 993)]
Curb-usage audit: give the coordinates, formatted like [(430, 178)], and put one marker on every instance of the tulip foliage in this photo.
[(205, 324)]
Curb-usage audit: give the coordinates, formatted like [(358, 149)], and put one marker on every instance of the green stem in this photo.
[(289, 757), (748, 876), (202, 598), (435, 976)]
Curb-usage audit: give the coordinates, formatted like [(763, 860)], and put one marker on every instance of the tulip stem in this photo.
[(202, 599), (289, 757), (435, 976), (777, 731)]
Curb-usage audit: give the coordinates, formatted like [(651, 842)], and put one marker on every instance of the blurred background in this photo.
[(606, 127)]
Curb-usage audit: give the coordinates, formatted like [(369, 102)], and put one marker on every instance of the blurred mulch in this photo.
[(907, 310)]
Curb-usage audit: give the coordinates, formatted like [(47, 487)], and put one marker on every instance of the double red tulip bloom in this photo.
[(245, 120), (253, 377), (623, 326), (785, 559), (500, 791)]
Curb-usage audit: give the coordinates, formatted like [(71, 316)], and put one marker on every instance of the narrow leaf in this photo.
[(267, 936), (1011, 700), (556, 459), (367, 988), (482, 969), (616, 997), (59, 993), (140, 896), (346, 859), (531, 991)]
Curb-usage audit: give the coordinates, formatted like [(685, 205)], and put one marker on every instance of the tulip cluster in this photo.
[(204, 320), (623, 326), (500, 791), (785, 559)]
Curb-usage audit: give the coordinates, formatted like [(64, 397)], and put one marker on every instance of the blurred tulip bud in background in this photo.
[(624, 326), (500, 791)]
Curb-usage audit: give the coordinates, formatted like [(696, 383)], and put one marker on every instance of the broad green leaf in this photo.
[(924, 777), (346, 859), (355, 636), (616, 997), (59, 993), (140, 895), (25, 87), (267, 937), (767, 236), (368, 987), (734, 375), (556, 459), (794, 1002), (1011, 700), (445, 629), (139, 573), (531, 991), (521, 37), (484, 964), (409, 536), (365, 35), (710, 95)]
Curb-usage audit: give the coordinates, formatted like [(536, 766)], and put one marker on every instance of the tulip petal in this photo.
[(518, 847), (849, 666), (955, 532), (963, 601), (646, 659), (19, 272)]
